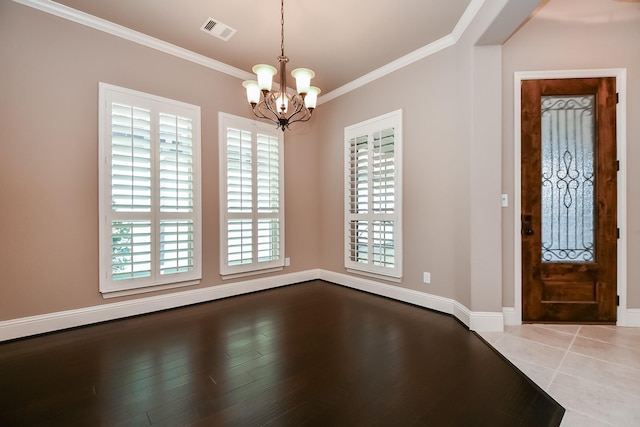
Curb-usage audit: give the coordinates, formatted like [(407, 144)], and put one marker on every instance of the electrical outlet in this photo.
[(426, 277)]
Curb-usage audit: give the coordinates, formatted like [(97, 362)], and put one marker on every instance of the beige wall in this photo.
[(49, 74), (50, 71), (452, 164), (435, 173), (552, 44)]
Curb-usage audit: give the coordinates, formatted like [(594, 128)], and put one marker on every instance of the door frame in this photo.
[(621, 147)]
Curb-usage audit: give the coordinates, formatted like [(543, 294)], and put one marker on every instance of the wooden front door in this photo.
[(569, 229)]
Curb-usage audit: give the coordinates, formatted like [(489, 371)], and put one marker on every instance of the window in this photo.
[(373, 196), (251, 197), (149, 150)]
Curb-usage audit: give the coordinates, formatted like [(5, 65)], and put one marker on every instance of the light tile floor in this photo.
[(593, 371)]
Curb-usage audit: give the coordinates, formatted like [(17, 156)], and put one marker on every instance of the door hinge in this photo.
[(618, 233), (617, 98), (618, 300), (618, 165)]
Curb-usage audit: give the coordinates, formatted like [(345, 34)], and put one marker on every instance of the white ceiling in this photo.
[(591, 11), (341, 40)]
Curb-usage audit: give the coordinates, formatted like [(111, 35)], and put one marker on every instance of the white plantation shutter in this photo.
[(130, 158), (268, 190), (251, 198), (358, 194), (373, 208), (268, 239), (176, 164), (268, 179), (176, 186), (149, 192), (239, 196), (239, 242), (131, 249), (176, 246), (239, 170), (383, 180)]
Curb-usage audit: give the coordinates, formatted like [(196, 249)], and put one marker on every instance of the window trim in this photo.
[(225, 121), (108, 94), (385, 121)]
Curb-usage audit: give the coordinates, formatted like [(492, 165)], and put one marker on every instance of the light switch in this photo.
[(505, 200)]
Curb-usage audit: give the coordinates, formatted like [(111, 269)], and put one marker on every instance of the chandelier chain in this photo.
[(279, 106), (282, 27)]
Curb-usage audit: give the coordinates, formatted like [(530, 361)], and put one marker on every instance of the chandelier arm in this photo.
[(305, 118), (298, 108), (257, 111), (280, 120), (265, 118), (301, 106), (269, 104)]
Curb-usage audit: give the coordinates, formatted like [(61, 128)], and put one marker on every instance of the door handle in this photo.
[(527, 229)]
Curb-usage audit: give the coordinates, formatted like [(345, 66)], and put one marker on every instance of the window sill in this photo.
[(375, 275), (146, 289), (250, 273)]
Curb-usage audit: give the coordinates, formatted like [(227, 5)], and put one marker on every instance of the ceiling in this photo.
[(341, 40), (590, 11)]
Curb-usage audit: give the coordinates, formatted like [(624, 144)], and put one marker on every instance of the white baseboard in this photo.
[(510, 317), (486, 321), (476, 321), (33, 325), (632, 317)]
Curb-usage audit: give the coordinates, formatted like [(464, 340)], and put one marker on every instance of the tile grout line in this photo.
[(555, 373), (533, 341), (515, 360), (546, 327), (604, 341), (606, 361), (575, 411), (603, 386), (610, 344)]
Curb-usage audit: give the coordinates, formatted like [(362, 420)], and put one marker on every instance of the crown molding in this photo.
[(467, 17), (417, 55), (389, 68), (108, 27)]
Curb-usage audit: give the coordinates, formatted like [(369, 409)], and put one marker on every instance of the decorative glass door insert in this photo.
[(568, 178)]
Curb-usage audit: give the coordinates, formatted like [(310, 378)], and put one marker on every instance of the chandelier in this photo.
[(278, 106)]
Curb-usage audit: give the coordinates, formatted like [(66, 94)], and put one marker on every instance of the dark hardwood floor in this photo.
[(312, 354)]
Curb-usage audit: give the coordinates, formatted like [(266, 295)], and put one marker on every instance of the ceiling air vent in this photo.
[(218, 29)]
